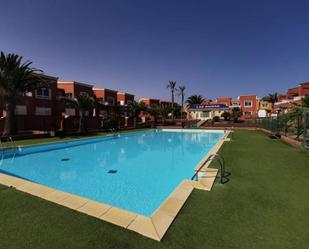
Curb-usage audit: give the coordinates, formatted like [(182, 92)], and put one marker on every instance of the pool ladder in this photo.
[(11, 147), (222, 173)]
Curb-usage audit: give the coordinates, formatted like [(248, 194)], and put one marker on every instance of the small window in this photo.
[(248, 103), (43, 93), (21, 110), (70, 111), (43, 111), (205, 114), (28, 94), (248, 113)]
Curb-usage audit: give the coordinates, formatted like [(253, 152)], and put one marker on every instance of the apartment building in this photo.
[(106, 96), (38, 109), (124, 99), (72, 89), (248, 105), (292, 97), (153, 103), (264, 109), (224, 101)]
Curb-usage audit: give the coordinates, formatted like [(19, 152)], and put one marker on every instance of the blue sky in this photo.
[(215, 48)]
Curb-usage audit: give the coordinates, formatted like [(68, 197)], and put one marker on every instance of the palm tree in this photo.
[(172, 85), (84, 103), (195, 99), (236, 114), (271, 97), (16, 78), (181, 93), (164, 112), (135, 108)]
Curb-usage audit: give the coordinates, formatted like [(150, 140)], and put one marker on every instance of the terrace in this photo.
[(263, 205)]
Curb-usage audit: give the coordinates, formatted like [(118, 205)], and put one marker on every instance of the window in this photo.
[(43, 93), (248, 103), (43, 111), (204, 114), (248, 113), (70, 111), (121, 102), (21, 110)]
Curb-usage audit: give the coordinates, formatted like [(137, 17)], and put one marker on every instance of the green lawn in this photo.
[(264, 205)]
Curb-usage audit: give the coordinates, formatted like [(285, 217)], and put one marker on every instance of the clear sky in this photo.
[(214, 47)]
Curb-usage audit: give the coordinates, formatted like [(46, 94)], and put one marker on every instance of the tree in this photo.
[(271, 97), (164, 111), (181, 93), (195, 99), (16, 78), (306, 101), (154, 112), (172, 86), (236, 114), (134, 109), (84, 103), (226, 115)]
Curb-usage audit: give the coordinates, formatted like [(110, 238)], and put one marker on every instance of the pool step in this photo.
[(206, 179)]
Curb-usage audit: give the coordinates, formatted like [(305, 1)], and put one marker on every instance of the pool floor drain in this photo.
[(112, 171), (65, 159)]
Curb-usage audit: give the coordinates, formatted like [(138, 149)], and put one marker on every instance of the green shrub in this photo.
[(216, 119)]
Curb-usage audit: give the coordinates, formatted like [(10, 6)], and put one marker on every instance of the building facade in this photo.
[(37, 110)]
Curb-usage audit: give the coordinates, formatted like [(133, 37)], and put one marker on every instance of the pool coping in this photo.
[(153, 227)]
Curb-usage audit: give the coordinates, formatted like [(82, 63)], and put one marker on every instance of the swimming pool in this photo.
[(135, 172)]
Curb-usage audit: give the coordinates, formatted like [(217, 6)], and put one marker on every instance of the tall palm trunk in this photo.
[(82, 123), (173, 105), (10, 126), (182, 97)]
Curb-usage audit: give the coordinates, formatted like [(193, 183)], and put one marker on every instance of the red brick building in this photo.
[(106, 96), (164, 103), (248, 105), (38, 109), (124, 98), (292, 97), (154, 103), (74, 88), (224, 101)]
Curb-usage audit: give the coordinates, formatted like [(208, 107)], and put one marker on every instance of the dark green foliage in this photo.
[(16, 78), (236, 114), (195, 99), (216, 119), (226, 115)]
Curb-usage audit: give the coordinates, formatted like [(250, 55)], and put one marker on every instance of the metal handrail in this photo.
[(13, 147), (219, 159)]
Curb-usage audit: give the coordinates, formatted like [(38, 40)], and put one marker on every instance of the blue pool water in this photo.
[(136, 172)]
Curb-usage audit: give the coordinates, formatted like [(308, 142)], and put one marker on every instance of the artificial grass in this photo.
[(264, 205)]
